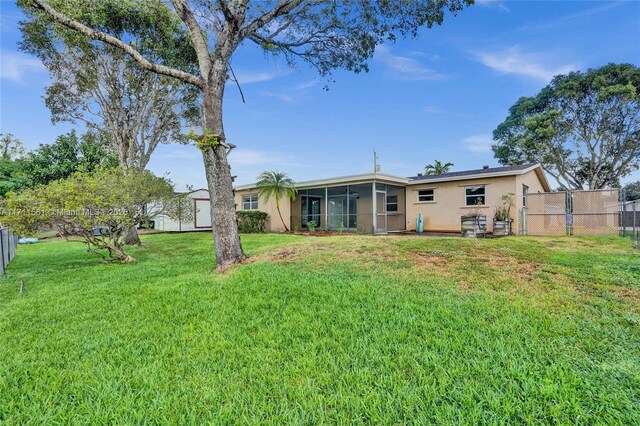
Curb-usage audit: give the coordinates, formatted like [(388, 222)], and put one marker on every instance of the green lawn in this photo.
[(340, 330)]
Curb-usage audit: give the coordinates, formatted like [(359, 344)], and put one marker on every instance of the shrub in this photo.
[(98, 207), (252, 221)]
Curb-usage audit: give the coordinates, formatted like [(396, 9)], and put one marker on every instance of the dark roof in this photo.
[(464, 173)]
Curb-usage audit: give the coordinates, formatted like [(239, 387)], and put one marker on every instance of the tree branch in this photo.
[(197, 36), (113, 41)]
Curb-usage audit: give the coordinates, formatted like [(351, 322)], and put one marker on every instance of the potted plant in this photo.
[(502, 216), (474, 223)]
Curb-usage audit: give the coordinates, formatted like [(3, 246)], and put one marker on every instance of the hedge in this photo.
[(251, 221)]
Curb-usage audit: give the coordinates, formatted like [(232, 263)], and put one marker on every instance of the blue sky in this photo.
[(437, 97)]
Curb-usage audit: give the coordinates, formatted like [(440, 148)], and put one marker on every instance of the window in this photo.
[(392, 203), (475, 195), (525, 191), (426, 195), (250, 202)]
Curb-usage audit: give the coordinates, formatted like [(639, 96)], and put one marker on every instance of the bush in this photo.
[(98, 207), (252, 221)]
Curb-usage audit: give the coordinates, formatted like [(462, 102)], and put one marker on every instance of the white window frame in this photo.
[(426, 198), (475, 196), (250, 200)]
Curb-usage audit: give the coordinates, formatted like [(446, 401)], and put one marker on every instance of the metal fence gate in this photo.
[(592, 212), (8, 246), (631, 220)]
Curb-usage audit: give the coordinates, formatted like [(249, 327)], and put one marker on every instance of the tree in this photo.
[(323, 33), (277, 185), (437, 168), (98, 207), (10, 147), (109, 92), (584, 128), (180, 208), (67, 155), (12, 176), (632, 191)]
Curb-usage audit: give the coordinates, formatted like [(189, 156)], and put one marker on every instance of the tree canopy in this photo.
[(10, 147), (67, 155), (584, 128), (632, 191), (107, 90)]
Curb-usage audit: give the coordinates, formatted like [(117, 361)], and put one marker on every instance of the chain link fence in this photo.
[(8, 246), (630, 218), (581, 213)]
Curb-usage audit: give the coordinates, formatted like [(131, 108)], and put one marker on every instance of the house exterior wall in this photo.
[(532, 181), (443, 214), (274, 224)]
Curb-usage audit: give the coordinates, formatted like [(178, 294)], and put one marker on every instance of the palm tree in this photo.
[(437, 168), (278, 185)]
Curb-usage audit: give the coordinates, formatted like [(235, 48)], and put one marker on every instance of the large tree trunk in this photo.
[(131, 237), (228, 248)]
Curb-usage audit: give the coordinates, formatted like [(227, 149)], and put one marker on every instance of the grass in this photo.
[(339, 330)]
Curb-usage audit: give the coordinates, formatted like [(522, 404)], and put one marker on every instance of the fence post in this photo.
[(569, 210), (2, 263), (621, 215), (634, 231)]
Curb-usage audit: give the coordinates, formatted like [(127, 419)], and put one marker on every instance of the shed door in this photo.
[(202, 213)]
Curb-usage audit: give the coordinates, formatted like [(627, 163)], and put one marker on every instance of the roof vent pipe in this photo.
[(485, 167)]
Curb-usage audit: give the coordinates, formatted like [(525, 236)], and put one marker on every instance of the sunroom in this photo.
[(366, 206)]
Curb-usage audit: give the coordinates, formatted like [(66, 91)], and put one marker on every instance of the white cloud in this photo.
[(513, 60), (250, 157), (183, 152), (493, 3), (431, 109), (15, 66), (405, 68), (256, 77), (292, 94), (478, 143)]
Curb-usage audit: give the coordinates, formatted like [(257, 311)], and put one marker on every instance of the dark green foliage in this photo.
[(584, 128), (67, 155), (632, 191), (251, 221), (12, 176)]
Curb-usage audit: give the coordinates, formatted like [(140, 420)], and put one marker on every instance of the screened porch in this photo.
[(366, 208)]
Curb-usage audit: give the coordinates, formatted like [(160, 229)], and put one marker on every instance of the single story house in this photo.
[(196, 219), (378, 203)]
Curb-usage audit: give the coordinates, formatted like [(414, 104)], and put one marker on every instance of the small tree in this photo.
[(277, 185), (97, 207), (437, 168), (180, 208), (10, 147)]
